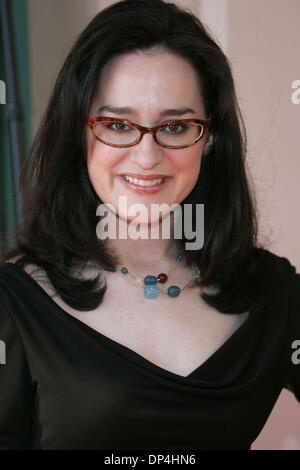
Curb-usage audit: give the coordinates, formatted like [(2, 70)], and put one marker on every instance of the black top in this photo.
[(65, 386)]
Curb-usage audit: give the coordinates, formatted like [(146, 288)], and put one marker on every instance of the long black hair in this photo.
[(60, 203)]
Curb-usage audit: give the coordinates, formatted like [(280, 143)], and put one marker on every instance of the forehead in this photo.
[(149, 80)]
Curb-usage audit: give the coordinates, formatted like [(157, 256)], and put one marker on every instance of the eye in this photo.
[(118, 127), (174, 128)]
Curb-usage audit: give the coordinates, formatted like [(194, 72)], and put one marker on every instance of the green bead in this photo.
[(150, 280), (173, 291)]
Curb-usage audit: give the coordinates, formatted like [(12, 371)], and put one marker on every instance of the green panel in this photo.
[(19, 13), (7, 190)]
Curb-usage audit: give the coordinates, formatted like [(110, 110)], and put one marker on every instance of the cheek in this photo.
[(188, 166), (187, 172), (101, 162), (98, 173)]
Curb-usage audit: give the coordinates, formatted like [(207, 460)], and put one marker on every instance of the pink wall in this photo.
[(261, 39)]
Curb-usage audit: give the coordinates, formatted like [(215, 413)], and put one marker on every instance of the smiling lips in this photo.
[(145, 185), (145, 177), (137, 180)]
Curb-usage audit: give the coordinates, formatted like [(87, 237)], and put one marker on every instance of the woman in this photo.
[(98, 354)]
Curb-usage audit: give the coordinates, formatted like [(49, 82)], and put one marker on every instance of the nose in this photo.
[(147, 153)]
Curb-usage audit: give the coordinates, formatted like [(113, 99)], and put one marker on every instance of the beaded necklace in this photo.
[(149, 282)]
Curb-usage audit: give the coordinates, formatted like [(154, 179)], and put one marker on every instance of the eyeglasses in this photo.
[(171, 134)]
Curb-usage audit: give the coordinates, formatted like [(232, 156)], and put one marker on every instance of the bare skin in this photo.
[(178, 335)]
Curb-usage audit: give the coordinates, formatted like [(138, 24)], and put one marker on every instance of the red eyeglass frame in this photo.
[(151, 130)]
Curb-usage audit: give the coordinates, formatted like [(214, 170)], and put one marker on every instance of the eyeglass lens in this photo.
[(177, 134)]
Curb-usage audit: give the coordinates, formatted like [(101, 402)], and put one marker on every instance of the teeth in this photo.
[(129, 179)]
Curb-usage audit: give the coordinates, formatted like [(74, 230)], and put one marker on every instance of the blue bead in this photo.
[(124, 270), (173, 291), (180, 256), (151, 291), (150, 280)]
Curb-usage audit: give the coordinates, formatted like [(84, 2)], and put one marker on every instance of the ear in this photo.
[(208, 144)]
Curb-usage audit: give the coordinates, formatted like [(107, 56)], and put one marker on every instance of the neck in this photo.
[(151, 255)]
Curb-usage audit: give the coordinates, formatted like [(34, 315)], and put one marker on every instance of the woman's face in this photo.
[(149, 84)]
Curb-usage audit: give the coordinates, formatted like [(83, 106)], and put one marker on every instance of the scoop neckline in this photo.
[(130, 354)]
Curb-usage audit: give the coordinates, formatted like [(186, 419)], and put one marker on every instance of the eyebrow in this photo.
[(127, 110)]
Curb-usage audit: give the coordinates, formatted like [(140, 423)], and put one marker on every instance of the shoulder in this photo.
[(270, 279), (285, 280), (279, 266), (11, 271), (14, 270), (19, 284)]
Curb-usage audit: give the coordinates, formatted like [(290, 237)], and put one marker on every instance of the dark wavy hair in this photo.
[(59, 232)]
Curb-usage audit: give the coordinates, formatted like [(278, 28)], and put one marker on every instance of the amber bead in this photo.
[(162, 278)]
